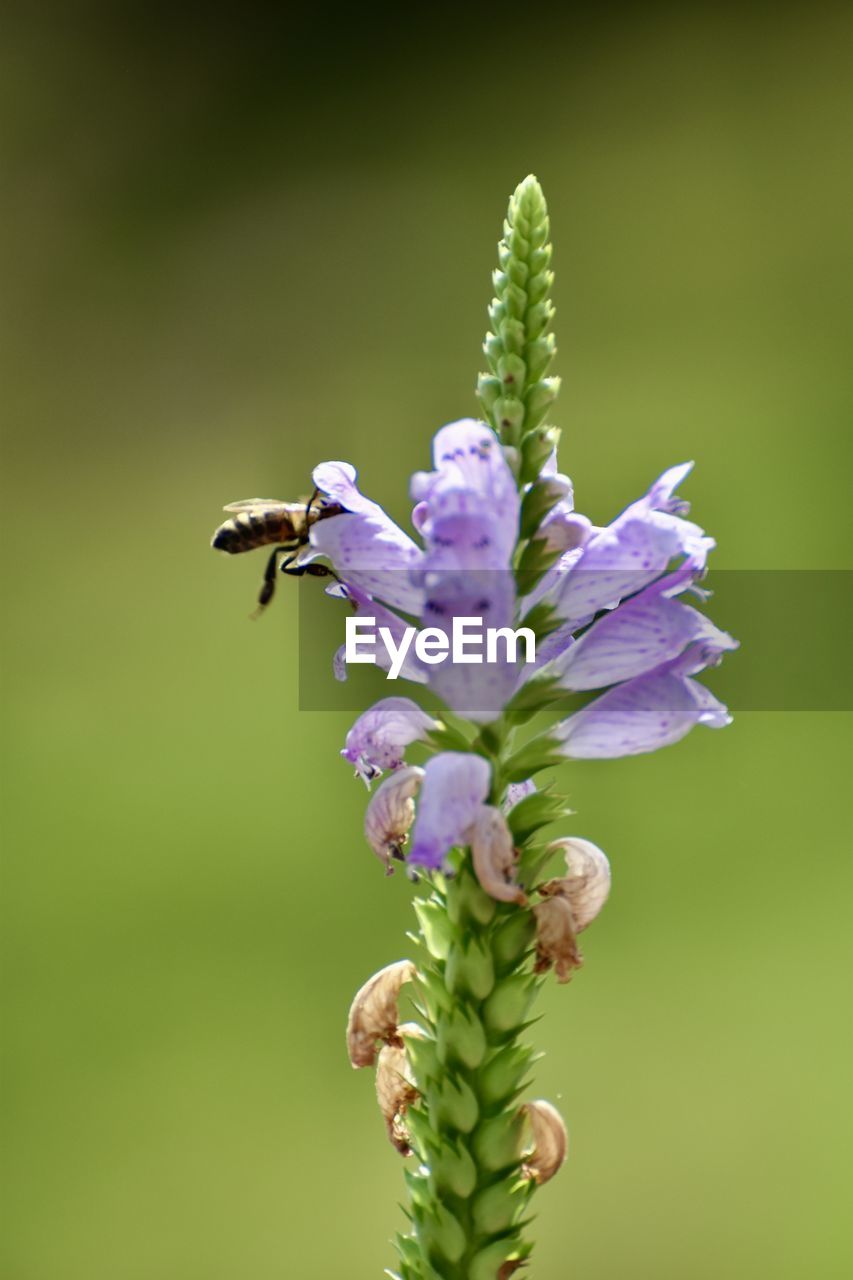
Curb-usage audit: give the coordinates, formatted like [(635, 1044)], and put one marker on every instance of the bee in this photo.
[(258, 522)]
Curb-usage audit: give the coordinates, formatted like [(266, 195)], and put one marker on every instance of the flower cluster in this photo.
[(621, 624)]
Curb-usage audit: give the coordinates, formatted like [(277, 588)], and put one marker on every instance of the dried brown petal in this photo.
[(395, 1092), (550, 1141), (391, 812), (586, 884), (556, 944), (373, 1014), (510, 1267), (494, 857)]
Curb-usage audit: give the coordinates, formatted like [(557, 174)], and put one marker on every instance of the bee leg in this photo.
[(314, 496), (268, 585), (313, 569)]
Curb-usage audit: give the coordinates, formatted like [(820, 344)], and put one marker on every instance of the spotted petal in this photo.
[(468, 507), (378, 739), (648, 712), (643, 632)]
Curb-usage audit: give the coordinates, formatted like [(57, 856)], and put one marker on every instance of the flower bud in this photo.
[(390, 814), (395, 1092), (373, 1015), (550, 1141), (494, 857)]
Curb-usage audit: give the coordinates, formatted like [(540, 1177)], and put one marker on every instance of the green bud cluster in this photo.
[(468, 1200), (516, 394)]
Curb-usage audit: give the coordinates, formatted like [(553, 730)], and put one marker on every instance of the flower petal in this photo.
[(365, 607), (468, 507), (648, 712), (639, 635), (627, 555), (365, 546), (494, 857), (471, 686), (379, 737), (454, 788)]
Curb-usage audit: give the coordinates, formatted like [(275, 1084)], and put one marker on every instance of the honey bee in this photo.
[(258, 522)]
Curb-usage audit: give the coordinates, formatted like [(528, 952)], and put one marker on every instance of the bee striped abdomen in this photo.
[(251, 529)]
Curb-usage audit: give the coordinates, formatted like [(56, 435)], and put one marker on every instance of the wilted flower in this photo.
[(586, 884), (493, 857), (390, 814), (569, 904), (550, 1141), (373, 1015), (396, 1089), (556, 942)]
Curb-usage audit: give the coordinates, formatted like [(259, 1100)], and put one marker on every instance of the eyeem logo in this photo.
[(469, 641)]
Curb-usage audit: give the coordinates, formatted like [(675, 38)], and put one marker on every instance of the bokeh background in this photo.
[(235, 243)]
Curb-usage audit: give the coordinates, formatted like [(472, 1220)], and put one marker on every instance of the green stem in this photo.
[(468, 1200)]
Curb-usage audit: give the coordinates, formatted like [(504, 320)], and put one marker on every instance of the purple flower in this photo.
[(627, 555), (648, 712), (468, 507), (614, 588), (366, 548), (379, 737), (383, 618), (455, 787), (644, 632)]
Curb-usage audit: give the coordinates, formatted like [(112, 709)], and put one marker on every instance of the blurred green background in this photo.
[(236, 243)]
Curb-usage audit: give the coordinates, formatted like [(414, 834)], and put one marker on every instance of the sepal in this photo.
[(513, 940), (507, 1006), (470, 968), (461, 1038), (443, 1234), (497, 1142), (456, 1105), (538, 445), (453, 1170), (536, 559), (534, 812), (538, 502), (501, 1079), (497, 1207), (538, 754), (437, 931)]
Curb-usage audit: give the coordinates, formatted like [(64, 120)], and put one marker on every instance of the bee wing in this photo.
[(258, 504)]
